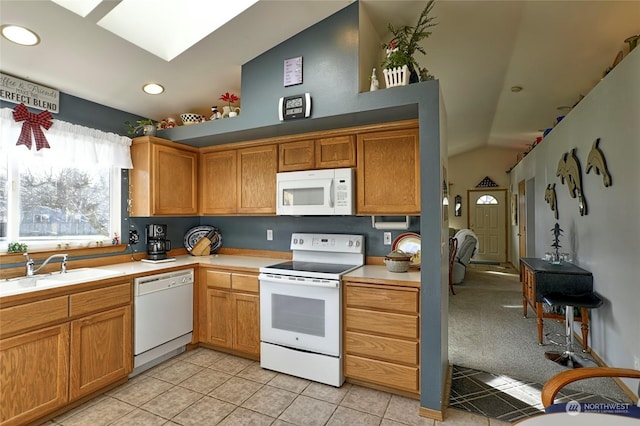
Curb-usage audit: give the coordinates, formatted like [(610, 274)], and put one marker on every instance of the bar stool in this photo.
[(586, 300)]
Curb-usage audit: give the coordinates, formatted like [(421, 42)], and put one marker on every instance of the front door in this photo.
[(487, 219)]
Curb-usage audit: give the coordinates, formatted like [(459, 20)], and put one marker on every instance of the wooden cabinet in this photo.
[(218, 175), (257, 168), (239, 181), (382, 336), (163, 181), (231, 311), (539, 277), (56, 350), (319, 153), (388, 173), (101, 339), (34, 374)]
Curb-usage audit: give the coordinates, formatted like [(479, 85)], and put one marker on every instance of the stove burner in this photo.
[(324, 268)]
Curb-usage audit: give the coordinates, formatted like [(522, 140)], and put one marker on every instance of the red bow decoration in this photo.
[(32, 123)]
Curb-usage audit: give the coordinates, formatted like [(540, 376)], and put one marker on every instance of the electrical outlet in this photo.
[(387, 238), (133, 237), (636, 362), (269, 234)]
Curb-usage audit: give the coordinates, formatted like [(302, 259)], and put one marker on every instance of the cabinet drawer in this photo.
[(382, 373), (385, 323), (384, 299), (244, 282), (218, 279), (30, 315), (385, 348), (99, 299)]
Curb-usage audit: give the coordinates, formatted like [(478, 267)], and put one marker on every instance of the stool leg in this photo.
[(568, 358), (568, 324)]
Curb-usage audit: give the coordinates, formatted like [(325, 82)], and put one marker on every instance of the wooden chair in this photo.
[(560, 380), (453, 249)]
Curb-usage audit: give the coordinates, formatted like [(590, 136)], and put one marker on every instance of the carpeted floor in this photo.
[(488, 334)]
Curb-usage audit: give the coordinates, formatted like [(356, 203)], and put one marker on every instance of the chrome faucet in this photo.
[(31, 268)]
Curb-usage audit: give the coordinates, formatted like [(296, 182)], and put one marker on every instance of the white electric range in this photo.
[(301, 306)]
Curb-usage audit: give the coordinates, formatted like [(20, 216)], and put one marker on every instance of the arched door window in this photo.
[(487, 199)]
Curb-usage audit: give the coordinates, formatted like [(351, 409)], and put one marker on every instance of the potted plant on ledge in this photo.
[(147, 126), (399, 66)]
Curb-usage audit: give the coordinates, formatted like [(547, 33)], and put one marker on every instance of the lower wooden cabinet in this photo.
[(382, 336), (231, 310), (34, 374), (101, 350), (88, 349)]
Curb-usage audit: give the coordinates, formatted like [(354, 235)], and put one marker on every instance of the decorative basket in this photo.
[(397, 261), (396, 76)]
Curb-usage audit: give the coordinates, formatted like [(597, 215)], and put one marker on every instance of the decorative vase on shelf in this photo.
[(396, 76), (149, 130), (228, 111)]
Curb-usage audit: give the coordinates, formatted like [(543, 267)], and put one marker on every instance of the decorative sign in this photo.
[(19, 91), (293, 71)]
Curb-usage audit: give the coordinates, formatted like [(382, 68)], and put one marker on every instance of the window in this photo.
[(61, 196), (487, 199)]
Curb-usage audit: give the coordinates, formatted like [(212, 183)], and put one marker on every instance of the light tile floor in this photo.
[(205, 387)]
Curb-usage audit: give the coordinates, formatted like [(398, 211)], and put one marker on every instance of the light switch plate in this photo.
[(387, 238), (269, 234)]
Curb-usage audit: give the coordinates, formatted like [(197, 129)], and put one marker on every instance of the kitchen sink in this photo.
[(57, 279)]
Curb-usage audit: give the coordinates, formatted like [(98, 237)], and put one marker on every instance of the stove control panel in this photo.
[(338, 243)]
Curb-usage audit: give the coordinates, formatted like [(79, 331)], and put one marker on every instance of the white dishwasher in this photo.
[(163, 317)]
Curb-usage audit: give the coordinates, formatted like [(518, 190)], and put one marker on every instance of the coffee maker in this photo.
[(157, 243)]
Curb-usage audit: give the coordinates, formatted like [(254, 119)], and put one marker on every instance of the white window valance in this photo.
[(71, 144)]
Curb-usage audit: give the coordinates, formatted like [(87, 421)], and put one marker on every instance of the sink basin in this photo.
[(38, 282), (75, 276)]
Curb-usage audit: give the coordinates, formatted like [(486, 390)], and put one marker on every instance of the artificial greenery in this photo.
[(405, 43), (134, 128), (16, 248)]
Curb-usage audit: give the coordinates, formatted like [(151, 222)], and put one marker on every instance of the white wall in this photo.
[(606, 241)]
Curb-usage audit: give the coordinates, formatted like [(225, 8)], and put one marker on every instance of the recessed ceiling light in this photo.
[(564, 108), (20, 35), (153, 88), (516, 89)]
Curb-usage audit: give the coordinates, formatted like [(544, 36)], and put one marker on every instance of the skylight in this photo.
[(79, 7), (167, 28)]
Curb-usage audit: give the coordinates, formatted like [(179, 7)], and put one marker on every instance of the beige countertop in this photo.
[(14, 287), (380, 275), (367, 273)]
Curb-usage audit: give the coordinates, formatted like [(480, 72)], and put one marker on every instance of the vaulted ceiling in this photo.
[(556, 51)]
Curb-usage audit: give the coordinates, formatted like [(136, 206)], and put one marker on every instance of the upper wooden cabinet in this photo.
[(336, 152), (257, 168), (218, 174), (239, 181), (163, 179), (319, 153), (388, 173)]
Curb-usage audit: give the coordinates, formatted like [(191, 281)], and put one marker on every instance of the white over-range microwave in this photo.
[(316, 192)]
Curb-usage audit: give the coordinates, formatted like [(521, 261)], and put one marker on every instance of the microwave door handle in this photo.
[(331, 193)]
